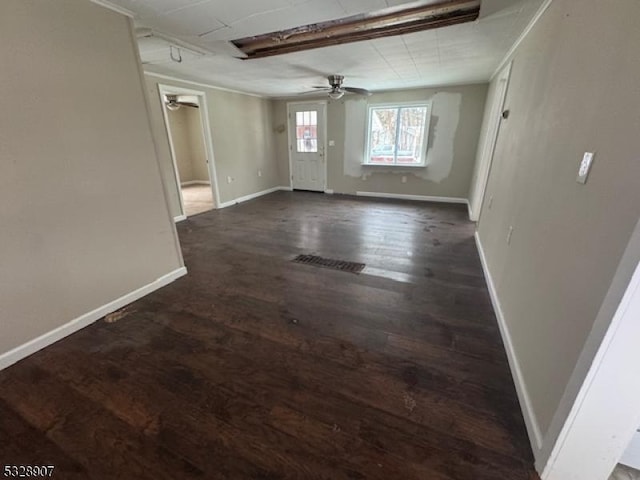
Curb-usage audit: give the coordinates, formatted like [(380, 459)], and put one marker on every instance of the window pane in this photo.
[(383, 135), (307, 132), (411, 135)]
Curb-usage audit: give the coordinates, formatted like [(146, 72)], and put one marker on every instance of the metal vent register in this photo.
[(344, 266)]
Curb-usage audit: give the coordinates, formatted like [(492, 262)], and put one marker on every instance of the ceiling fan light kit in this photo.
[(172, 103)]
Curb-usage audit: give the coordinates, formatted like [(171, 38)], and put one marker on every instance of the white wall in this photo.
[(83, 214), (571, 91)]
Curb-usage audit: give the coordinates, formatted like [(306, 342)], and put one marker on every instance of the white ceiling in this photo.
[(452, 55)]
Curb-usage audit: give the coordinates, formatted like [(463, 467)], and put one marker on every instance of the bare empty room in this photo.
[(329, 239)]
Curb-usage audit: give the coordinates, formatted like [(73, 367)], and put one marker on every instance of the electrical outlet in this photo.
[(404, 179), (259, 172), (229, 179), (509, 235)]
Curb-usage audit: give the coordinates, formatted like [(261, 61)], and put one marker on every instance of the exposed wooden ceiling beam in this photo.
[(388, 22)]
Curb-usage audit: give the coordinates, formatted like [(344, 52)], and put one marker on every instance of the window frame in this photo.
[(425, 140)]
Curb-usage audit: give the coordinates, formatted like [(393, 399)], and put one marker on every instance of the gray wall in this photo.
[(83, 213), (571, 91), (243, 141), (455, 125)]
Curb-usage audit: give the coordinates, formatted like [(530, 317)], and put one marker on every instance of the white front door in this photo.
[(307, 136)]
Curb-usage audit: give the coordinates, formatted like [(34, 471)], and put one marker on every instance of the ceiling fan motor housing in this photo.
[(336, 80)]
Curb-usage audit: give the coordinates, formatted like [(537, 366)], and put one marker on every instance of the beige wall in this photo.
[(199, 166), (83, 214), (179, 127), (243, 141), (188, 144), (455, 125), (571, 91)]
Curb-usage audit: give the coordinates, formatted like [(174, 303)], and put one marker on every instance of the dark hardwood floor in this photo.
[(255, 367)]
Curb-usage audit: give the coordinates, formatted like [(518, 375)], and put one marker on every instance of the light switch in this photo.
[(585, 166), (332, 143)]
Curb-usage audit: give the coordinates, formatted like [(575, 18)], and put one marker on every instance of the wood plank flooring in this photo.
[(255, 367)]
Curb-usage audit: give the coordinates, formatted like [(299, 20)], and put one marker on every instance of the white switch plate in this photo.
[(585, 166), (332, 143)]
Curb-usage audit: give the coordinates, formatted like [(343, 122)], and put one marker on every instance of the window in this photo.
[(397, 134), (307, 132)]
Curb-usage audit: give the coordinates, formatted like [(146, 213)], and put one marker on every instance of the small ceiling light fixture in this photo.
[(172, 102), (336, 94)]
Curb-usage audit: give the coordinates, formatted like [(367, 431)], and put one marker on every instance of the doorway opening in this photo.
[(186, 121)]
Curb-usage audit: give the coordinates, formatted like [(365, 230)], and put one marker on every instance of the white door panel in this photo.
[(307, 136)]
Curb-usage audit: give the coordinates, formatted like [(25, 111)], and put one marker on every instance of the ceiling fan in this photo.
[(335, 90), (174, 102)]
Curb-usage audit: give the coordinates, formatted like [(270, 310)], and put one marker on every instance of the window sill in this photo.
[(396, 165)]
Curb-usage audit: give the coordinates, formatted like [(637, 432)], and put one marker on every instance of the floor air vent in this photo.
[(351, 267)]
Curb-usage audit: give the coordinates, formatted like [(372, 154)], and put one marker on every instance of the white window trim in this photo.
[(425, 140)]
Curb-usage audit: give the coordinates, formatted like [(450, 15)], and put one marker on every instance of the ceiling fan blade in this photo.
[(359, 91), (322, 91), (324, 86)]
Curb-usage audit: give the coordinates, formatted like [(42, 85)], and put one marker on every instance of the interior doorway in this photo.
[(186, 121), (307, 127)]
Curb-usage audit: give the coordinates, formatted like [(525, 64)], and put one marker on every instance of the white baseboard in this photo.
[(420, 198), (252, 196), (195, 182), (32, 346), (530, 420), (329, 191), (470, 211), (179, 218), (286, 189)]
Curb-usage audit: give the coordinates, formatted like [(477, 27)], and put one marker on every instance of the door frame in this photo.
[(164, 89), (489, 146), (324, 104)]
